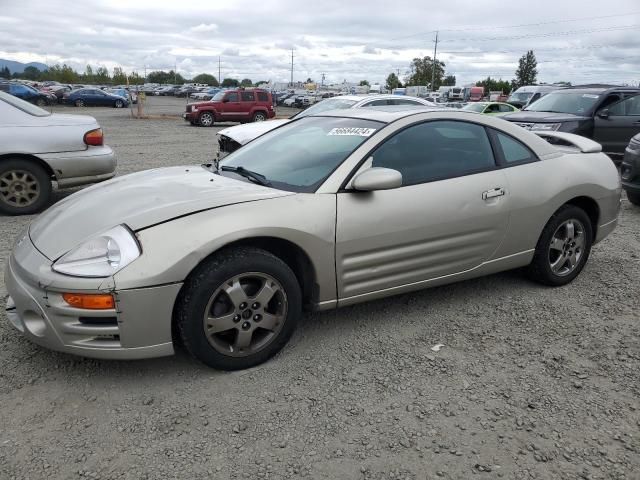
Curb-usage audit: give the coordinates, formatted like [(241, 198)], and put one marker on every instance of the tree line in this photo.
[(422, 73), (101, 75)]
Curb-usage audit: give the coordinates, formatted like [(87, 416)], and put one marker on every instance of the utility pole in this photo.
[(292, 67), (175, 72), (219, 77), (322, 83), (433, 65), (145, 73)]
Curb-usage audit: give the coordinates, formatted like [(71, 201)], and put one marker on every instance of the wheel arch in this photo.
[(27, 156), (591, 208), (292, 254)]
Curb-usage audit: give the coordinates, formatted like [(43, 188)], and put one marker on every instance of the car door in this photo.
[(449, 216), (615, 125), (231, 106), (247, 102)]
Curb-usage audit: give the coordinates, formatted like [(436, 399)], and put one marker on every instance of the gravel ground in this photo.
[(532, 382)]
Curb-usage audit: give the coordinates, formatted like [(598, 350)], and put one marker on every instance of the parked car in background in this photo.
[(526, 95), (184, 91), (630, 170), (37, 147), (129, 95), (238, 105), (326, 211), (610, 115), (490, 108), (85, 97), (232, 138), (207, 94), (27, 93)]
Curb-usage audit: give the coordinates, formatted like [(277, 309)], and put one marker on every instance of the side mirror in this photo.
[(377, 178), (604, 113)]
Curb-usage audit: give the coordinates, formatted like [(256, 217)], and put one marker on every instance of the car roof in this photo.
[(385, 114), (596, 89)]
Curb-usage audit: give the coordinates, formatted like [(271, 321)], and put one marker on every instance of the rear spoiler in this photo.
[(583, 144)]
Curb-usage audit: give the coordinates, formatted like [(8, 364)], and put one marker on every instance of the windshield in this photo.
[(299, 156), (475, 107), (576, 103), (218, 96), (24, 106), (325, 106), (522, 97)]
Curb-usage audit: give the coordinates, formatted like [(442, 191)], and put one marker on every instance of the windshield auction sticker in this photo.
[(353, 131)]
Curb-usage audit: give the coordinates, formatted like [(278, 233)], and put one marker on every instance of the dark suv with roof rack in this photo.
[(610, 115)]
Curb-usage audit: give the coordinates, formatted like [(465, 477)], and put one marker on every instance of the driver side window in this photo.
[(436, 150), (629, 106)]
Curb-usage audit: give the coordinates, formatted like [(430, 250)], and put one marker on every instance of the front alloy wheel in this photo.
[(206, 119), (245, 314), (567, 247), (238, 308)]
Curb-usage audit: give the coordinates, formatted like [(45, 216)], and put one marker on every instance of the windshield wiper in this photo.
[(256, 177)]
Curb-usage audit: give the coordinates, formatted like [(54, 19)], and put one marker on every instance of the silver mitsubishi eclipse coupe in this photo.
[(322, 212)]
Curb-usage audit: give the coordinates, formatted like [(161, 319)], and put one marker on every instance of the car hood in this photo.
[(245, 133), (546, 117), (138, 200)]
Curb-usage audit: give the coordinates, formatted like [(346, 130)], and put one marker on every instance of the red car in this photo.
[(239, 105)]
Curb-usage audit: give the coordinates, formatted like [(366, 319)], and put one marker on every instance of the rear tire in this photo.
[(206, 119), (118, 104), (79, 103), (563, 248), (634, 198), (238, 308), (259, 117), (25, 187)]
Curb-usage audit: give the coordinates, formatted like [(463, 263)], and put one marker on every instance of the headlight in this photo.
[(547, 127), (100, 256)]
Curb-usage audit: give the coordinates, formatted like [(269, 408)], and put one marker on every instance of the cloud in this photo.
[(204, 27), (336, 39)]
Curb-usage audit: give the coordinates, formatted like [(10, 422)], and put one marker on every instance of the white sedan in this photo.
[(38, 147), (232, 138)]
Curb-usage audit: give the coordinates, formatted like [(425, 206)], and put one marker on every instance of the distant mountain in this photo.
[(19, 66)]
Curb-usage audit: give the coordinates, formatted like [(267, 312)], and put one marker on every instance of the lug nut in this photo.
[(236, 318), (255, 306), (257, 317), (246, 326), (243, 305)]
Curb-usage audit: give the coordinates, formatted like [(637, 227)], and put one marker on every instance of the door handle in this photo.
[(495, 192)]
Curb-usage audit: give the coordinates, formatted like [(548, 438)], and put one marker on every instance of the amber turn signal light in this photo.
[(94, 137), (90, 301)]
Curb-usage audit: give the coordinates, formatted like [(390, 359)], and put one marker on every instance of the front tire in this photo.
[(206, 119), (238, 308), (118, 104), (41, 102), (25, 187), (563, 248), (634, 198), (79, 103)]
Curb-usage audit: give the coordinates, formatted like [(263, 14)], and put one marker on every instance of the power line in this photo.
[(492, 27)]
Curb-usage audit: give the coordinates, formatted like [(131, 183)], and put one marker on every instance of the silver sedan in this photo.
[(326, 211), (38, 147)]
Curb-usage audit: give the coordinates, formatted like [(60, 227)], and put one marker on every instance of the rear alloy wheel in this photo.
[(79, 103), (634, 198), (259, 117), (206, 119), (239, 308), (25, 187), (119, 104), (563, 247)]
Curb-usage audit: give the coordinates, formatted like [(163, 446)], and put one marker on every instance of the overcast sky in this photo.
[(350, 40)]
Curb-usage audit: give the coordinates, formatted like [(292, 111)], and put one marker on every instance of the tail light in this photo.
[(94, 137)]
